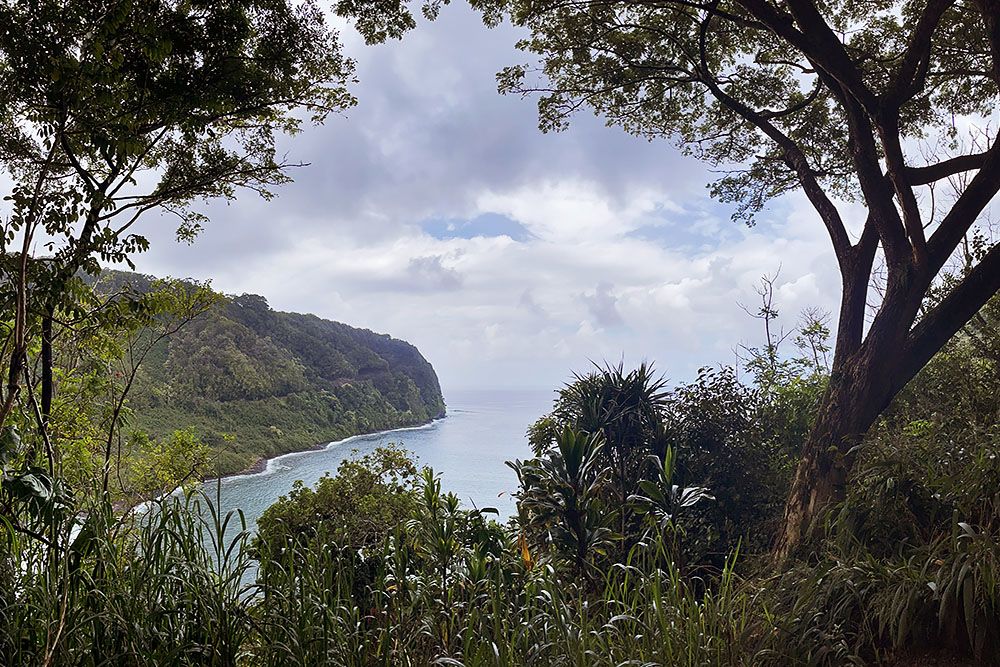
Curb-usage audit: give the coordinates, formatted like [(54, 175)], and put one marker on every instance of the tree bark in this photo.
[(856, 395), (47, 385), (867, 376)]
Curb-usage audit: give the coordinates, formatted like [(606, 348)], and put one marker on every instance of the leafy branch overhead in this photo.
[(115, 109)]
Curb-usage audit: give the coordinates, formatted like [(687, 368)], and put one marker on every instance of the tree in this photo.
[(112, 109), (356, 510), (734, 440), (835, 100)]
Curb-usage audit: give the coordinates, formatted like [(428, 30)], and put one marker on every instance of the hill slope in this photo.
[(254, 383)]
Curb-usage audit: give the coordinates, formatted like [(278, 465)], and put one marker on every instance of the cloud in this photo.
[(429, 273), (528, 303), (435, 211), (602, 305)]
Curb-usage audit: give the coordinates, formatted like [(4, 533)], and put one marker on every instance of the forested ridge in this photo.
[(252, 382)]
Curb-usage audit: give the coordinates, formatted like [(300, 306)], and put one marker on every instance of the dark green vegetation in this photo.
[(840, 101), (252, 382), (645, 522), (649, 513), (110, 111), (889, 104)]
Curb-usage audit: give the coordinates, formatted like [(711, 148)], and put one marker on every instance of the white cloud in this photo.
[(625, 256)]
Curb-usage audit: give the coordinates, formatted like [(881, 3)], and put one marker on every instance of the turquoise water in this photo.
[(467, 448)]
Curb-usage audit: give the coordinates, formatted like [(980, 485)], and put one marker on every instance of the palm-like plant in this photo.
[(435, 528), (663, 501), (626, 408), (560, 497)]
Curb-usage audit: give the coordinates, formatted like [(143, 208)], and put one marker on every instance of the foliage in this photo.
[(97, 361), (663, 501), (133, 590), (561, 502), (376, 566), (42, 496), (160, 466), (255, 383), (454, 590), (716, 427), (738, 442), (625, 409), (357, 509)]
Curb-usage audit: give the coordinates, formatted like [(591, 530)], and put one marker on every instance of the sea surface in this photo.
[(467, 448)]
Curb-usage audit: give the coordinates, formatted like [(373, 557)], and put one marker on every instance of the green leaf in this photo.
[(10, 444)]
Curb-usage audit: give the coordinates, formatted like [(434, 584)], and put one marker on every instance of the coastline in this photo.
[(266, 465)]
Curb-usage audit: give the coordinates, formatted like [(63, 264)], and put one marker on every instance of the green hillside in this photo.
[(253, 382)]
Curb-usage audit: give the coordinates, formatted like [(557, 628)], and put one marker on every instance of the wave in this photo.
[(273, 465)]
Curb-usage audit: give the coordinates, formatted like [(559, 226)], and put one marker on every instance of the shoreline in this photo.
[(265, 465)]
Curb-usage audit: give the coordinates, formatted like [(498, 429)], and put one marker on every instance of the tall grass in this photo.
[(446, 591), (171, 587), (486, 616), (129, 590)]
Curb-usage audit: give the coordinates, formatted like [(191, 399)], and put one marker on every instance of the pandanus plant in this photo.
[(626, 408), (434, 530)]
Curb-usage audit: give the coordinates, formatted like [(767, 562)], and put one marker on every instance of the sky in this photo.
[(437, 212)]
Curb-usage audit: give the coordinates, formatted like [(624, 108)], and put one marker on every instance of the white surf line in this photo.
[(271, 466), (141, 508)]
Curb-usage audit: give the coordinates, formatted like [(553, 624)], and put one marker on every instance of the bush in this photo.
[(357, 509)]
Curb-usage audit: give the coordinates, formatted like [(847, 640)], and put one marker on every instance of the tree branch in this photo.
[(841, 76), (896, 166), (955, 310), (854, 295), (816, 41), (794, 157), (909, 80), (872, 180), (990, 9), (935, 172), (966, 209)]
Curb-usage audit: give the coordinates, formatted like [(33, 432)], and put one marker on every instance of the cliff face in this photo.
[(253, 382)]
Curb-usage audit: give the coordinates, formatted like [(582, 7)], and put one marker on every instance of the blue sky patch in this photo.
[(485, 225)]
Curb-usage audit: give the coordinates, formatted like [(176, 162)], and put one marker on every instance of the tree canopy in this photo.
[(111, 110), (883, 103)]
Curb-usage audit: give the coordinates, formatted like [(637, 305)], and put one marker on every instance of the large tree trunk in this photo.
[(866, 376), (851, 404)]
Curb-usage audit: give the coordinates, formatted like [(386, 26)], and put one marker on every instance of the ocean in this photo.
[(467, 448)]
